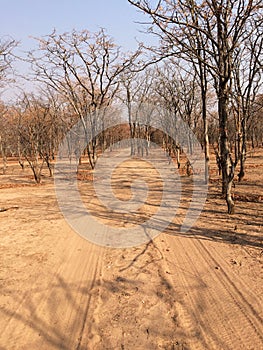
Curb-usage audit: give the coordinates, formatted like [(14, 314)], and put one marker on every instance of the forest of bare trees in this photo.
[(206, 70)]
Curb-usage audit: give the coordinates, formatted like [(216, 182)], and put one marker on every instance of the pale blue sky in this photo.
[(22, 19)]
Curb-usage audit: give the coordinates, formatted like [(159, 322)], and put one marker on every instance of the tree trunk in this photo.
[(90, 157), (37, 174), (218, 160), (206, 138), (243, 154), (132, 136), (178, 157), (20, 158), (94, 151), (3, 154), (49, 165), (227, 164)]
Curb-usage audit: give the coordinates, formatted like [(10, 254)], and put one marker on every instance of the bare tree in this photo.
[(168, 90), (222, 24), (7, 46), (131, 87), (254, 123), (39, 132), (247, 78), (4, 132), (139, 97), (85, 69)]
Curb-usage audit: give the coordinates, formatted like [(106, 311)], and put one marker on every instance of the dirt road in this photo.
[(199, 290)]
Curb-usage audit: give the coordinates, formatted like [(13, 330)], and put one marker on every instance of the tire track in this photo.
[(53, 313), (246, 308), (85, 321), (194, 287), (220, 308)]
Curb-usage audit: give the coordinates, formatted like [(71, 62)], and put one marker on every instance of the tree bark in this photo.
[(3, 154), (206, 138), (241, 173), (227, 164)]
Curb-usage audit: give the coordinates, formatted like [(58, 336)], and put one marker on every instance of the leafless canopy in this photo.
[(7, 46), (209, 34)]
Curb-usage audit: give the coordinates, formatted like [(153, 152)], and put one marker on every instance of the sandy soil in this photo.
[(199, 290)]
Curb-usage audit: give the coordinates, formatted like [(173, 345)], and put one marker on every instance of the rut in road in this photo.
[(54, 312), (224, 310)]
